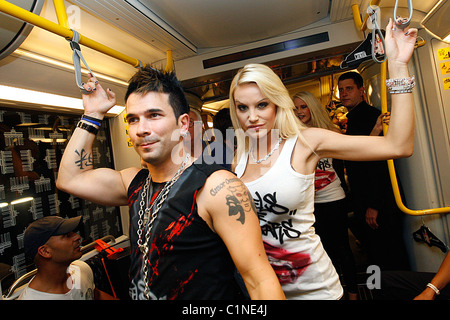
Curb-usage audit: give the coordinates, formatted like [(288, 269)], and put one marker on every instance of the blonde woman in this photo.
[(330, 203), (277, 156)]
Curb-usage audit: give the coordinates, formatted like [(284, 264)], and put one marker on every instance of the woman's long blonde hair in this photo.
[(319, 116), (272, 87)]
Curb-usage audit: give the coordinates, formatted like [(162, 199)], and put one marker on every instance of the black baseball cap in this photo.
[(39, 231)]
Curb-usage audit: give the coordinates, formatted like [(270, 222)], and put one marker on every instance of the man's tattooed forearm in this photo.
[(85, 159)]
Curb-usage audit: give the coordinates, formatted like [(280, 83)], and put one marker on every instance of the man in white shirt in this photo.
[(54, 246)]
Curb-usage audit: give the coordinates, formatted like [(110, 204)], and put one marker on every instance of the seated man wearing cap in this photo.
[(54, 246)]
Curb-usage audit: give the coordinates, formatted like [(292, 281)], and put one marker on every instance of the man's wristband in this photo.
[(97, 122), (87, 127)]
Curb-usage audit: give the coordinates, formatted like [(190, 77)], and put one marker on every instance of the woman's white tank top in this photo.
[(284, 201)]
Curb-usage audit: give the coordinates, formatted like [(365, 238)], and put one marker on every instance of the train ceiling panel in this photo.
[(139, 22), (209, 24)]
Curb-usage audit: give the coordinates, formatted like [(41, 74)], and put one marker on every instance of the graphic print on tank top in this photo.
[(324, 174), (288, 266)]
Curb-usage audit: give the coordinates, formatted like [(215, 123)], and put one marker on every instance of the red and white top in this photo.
[(327, 183)]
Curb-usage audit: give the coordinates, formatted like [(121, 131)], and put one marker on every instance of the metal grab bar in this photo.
[(169, 62), (62, 31), (362, 24), (19, 282), (61, 13), (391, 166)]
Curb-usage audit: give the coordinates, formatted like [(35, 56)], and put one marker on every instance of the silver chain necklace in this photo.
[(268, 155), (144, 216)]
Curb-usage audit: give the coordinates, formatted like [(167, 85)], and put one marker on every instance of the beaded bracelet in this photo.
[(400, 91), (92, 120), (401, 85)]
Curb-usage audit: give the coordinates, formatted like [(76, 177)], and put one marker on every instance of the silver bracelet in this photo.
[(433, 287), (401, 85), (400, 91)]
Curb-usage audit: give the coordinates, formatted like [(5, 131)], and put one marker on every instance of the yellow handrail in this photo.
[(362, 25), (398, 198), (391, 166), (62, 30), (61, 13), (169, 64)]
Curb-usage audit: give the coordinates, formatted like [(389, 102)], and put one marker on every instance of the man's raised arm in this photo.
[(76, 174)]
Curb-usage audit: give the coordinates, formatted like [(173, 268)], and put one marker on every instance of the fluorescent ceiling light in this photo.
[(49, 99), (22, 200)]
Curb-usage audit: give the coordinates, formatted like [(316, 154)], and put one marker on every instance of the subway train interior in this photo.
[(308, 44)]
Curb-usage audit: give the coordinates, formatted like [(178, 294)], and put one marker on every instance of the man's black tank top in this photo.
[(187, 260)]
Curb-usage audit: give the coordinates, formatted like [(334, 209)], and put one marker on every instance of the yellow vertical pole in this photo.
[(61, 13), (169, 63), (356, 16), (383, 92), (362, 24)]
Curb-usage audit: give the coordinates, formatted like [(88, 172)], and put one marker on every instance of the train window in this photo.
[(31, 146)]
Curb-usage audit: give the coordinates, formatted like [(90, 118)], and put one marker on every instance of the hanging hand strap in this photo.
[(76, 57), (376, 34), (424, 234), (403, 24)]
